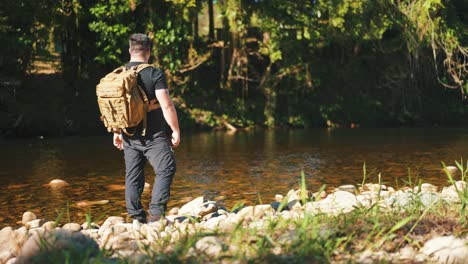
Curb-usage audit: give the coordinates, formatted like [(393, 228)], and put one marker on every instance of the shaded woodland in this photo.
[(234, 64)]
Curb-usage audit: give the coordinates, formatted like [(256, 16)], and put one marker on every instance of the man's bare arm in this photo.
[(170, 114)]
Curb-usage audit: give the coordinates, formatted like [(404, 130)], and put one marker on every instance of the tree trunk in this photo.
[(195, 22), (211, 20), (267, 85)]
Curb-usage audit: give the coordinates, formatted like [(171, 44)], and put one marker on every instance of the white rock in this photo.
[(17, 239), (452, 169), (347, 188), (110, 221), (294, 204), (306, 194), (174, 211), (136, 225), (461, 185), (5, 236), (72, 227), (149, 232), (49, 225), (448, 249), (342, 200), (407, 253), (113, 231), (429, 198), (337, 202), (92, 233), (5, 256), (320, 195), (402, 199), (117, 242), (91, 225), (210, 245), (364, 200), (292, 195), (33, 224), (208, 207), (36, 231), (214, 222), (57, 183), (451, 193), (426, 188), (279, 198), (193, 207), (11, 261), (222, 212), (254, 212), (28, 216)]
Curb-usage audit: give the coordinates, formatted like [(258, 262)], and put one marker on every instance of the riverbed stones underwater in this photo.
[(203, 231)]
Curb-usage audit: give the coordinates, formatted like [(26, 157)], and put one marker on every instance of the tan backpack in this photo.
[(122, 102)]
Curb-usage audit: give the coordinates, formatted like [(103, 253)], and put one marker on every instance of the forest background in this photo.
[(234, 64)]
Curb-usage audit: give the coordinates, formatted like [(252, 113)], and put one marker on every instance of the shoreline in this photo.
[(348, 224)]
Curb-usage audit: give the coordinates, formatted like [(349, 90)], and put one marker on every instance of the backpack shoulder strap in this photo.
[(119, 69), (141, 67)]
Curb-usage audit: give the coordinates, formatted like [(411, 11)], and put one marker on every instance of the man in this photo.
[(155, 146)]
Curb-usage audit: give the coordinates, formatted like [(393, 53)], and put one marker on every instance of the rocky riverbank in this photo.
[(372, 223)]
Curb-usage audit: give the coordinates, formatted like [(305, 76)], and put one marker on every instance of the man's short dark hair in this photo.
[(139, 42)]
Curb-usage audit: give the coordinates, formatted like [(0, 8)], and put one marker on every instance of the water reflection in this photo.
[(241, 167)]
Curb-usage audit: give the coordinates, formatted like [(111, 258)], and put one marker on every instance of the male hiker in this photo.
[(155, 146)]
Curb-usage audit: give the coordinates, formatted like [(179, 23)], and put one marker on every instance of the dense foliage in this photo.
[(239, 63)]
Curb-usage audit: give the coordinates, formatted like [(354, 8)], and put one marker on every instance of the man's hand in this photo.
[(175, 140), (153, 104), (118, 143)]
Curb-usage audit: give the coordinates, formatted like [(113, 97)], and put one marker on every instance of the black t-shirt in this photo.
[(151, 79)]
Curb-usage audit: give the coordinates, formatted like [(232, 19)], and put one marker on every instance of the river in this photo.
[(248, 167)]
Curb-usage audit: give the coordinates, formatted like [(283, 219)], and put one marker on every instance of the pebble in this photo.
[(347, 188), (33, 224), (279, 198), (72, 227), (57, 183), (28, 216), (210, 245), (49, 225)]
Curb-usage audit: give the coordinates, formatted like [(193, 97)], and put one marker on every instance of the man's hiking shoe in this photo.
[(154, 218), (131, 219)]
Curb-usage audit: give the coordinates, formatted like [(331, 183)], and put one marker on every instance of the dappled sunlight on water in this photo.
[(248, 167)]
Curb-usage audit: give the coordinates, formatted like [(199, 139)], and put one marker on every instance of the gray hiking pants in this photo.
[(156, 150)]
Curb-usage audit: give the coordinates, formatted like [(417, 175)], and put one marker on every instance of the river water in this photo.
[(249, 167)]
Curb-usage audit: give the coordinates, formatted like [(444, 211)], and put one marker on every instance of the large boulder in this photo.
[(58, 246)]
